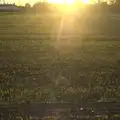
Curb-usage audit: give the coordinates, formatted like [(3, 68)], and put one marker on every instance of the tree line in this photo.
[(114, 7)]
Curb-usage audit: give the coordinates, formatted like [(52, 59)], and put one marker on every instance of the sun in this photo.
[(70, 6)]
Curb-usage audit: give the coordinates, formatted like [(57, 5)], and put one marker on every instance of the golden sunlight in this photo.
[(86, 1), (70, 2)]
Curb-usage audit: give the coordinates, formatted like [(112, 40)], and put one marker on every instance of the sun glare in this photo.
[(70, 6), (85, 1), (70, 2)]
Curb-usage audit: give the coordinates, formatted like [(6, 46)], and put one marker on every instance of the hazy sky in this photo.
[(22, 2)]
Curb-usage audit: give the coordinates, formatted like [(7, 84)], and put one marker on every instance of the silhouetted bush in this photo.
[(27, 5)]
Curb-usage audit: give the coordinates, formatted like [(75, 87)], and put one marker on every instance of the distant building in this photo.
[(9, 7)]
